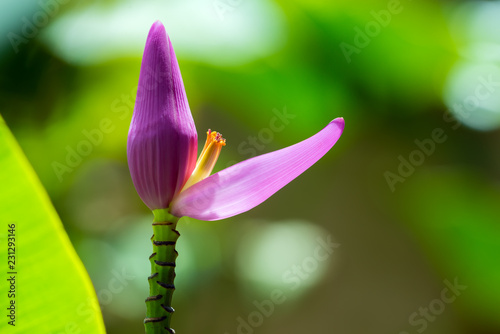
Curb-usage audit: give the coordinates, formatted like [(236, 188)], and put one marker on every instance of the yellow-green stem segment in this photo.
[(161, 282)]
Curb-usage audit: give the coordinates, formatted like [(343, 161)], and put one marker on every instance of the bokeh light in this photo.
[(266, 259), (471, 92)]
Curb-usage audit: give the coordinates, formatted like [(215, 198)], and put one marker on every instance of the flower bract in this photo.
[(162, 147)]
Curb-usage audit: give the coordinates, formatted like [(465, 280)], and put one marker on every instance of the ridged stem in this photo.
[(161, 282)]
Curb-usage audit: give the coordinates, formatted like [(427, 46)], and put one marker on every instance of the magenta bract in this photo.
[(162, 147)]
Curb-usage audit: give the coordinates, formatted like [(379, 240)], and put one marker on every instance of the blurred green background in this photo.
[(409, 195)]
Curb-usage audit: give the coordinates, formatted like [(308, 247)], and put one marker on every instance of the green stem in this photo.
[(161, 282)]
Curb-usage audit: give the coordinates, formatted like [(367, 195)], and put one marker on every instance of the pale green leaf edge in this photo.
[(77, 298)]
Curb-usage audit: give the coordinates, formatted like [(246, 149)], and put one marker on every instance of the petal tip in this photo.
[(158, 27), (157, 24), (158, 34), (339, 121)]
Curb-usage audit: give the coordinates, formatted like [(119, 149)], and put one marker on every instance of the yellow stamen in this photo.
[(207, 159)]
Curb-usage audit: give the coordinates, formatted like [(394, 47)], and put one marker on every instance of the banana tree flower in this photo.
[(172, 182), (162, 147)]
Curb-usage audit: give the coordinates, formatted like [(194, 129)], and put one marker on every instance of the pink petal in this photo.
[(162, 141), (245, 185)]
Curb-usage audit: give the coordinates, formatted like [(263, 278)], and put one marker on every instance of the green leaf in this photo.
[(52, 291)]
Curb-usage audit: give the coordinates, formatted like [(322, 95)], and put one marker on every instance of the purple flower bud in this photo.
[(162, 140)]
